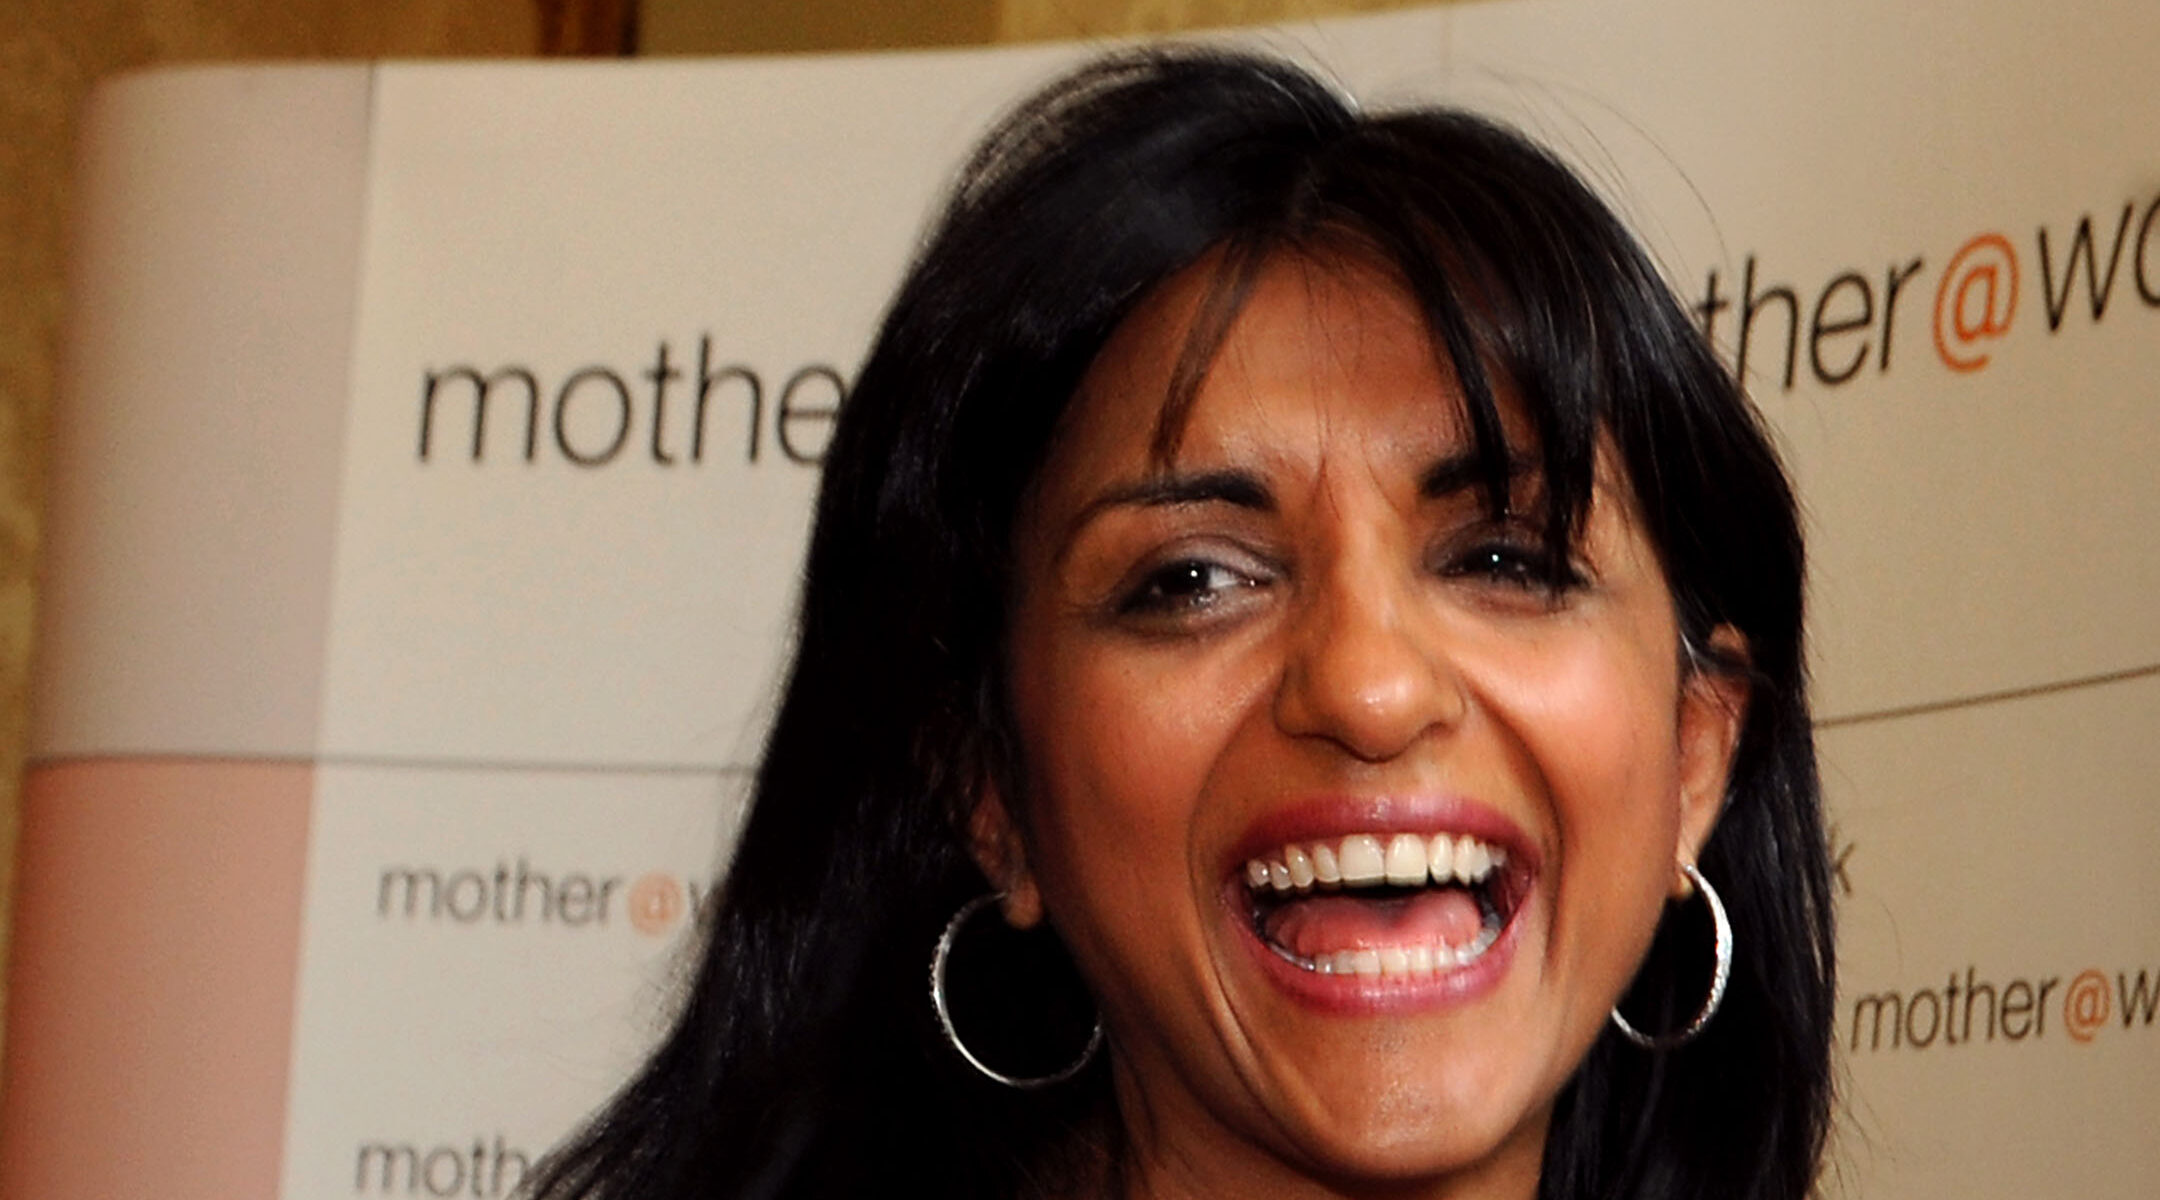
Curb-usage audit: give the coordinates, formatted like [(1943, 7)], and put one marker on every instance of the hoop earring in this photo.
[(1720, 975), (952, 1034)]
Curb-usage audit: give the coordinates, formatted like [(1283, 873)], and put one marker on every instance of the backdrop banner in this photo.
[(437, 457)]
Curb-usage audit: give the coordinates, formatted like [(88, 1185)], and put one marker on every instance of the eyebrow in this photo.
[(1449, 476), (1455, 473), (1240, 489), (1465, 470)]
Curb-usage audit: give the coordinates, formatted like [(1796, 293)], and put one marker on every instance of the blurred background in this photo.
[(53, 51)]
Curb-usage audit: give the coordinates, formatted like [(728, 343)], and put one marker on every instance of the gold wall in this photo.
[(51, 51), (728, 26)]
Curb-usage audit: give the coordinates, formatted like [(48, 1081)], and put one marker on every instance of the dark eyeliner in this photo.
[(1517, 558), (1186, 585)]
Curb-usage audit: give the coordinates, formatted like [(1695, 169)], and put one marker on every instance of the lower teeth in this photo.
[(1390, 961)]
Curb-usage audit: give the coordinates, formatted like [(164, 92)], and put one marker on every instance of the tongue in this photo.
[(1330, 924)]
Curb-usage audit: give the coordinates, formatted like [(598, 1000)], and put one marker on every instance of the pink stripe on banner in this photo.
[(157, 943)]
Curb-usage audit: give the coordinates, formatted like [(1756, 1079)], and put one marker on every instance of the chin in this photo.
[(1401, 1078), (1404, 1138)]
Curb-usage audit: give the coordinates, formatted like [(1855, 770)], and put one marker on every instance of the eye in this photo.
[(1514, 559), (1186, 586)]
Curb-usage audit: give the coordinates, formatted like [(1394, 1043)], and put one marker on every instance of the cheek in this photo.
[(1597, 727), (1121, 759), (1120, 749), (1140, 729)]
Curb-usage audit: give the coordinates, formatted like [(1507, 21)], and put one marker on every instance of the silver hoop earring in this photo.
[(1720, 975), (952, 1035)]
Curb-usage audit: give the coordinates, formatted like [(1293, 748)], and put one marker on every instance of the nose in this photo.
[(1366, 668)]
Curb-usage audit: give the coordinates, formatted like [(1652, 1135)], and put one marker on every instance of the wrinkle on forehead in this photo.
[(1200, 307)]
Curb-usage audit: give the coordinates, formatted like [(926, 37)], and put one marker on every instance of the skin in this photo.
[(1332, 626)]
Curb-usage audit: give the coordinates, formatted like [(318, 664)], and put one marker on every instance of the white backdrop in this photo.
[(488, 719)]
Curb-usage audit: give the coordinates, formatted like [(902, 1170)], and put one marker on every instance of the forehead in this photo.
[(1318, 351)]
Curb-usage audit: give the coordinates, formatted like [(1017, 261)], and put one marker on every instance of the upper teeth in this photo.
[(1364, 860)]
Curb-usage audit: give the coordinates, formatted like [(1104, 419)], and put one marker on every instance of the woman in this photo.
[(1304, 568)]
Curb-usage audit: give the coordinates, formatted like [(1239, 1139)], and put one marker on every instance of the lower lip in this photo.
[(1373, 995)]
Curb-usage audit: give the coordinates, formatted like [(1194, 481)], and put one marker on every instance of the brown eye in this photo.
[(1185, 585), (1513, 561)]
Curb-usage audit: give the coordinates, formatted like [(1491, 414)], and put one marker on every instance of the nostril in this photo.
[(1373, 696), (1367, 665)]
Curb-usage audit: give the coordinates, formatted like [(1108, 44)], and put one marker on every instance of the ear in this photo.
[(1713, 706), (994, 840)]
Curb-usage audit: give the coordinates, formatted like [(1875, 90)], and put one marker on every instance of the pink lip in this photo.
[(1331, 817)]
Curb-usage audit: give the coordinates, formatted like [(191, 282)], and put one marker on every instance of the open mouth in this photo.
[(1384, 906)]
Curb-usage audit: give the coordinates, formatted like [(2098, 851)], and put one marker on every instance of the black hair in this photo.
[(805, 1060)]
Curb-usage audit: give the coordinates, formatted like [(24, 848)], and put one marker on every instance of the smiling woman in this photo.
[(1306, 567)]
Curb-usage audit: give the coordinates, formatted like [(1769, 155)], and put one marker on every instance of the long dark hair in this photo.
[(805, 1060)]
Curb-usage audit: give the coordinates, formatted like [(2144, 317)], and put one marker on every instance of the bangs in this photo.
[(1469, 252)]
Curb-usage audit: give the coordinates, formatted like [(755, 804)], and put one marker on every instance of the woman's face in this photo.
[(1302, 652)]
